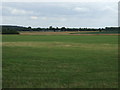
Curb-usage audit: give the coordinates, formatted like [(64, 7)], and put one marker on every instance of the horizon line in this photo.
[(53, 26)]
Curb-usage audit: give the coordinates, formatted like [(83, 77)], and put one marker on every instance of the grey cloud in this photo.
[(68, 14)]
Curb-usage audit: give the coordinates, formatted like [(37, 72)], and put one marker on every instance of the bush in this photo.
[(9, 31)]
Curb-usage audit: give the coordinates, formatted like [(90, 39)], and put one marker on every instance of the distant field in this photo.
[(69, 33), (96, 32), (44, 33), (60, 61)]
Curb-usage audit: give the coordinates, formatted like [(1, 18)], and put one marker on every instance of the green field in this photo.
[(63, 61)]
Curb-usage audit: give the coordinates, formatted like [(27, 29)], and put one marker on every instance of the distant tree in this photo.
[(29, 27), (9, 31), (57, 28), (50, 28), (54, 29), (38, 29), (63, 29), (100, 30)]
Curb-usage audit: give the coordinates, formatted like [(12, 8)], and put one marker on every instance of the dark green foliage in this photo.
[(63, 29), (9, 30), (18, 28)]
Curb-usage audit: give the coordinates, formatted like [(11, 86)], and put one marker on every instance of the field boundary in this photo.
[(95, 34), (59, 33)]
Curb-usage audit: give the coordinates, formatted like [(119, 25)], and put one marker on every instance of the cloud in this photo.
[(15, 11), (63, 19), (44, 18), (81, 9), (61, 14), (109, 8), (34, 17)]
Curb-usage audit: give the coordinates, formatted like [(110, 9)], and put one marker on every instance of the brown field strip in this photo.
[(44, 33), (58, 33), (94, 34)]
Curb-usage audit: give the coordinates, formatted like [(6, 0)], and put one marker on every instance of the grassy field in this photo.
[(55, 61)]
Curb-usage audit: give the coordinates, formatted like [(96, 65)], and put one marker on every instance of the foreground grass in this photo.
[(60, 61)]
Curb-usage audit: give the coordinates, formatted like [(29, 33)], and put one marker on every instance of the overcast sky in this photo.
[(58, 14)]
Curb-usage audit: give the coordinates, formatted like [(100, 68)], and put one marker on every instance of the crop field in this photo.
[(60, 61), (97, 32), (69, 33)]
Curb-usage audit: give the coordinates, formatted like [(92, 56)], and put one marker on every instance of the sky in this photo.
[(119, 14), (64, 13)]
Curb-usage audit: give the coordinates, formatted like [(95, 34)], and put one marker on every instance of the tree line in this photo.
[(16, 29)]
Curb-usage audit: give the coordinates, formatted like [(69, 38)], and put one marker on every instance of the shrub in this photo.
[(9, 31)]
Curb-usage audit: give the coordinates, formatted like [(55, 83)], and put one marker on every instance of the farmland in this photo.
[(60, 61)]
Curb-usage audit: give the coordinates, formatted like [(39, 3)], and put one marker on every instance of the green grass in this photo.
[(60, 61)]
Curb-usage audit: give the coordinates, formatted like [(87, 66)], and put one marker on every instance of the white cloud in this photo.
[(109, 8), (63, 19), (79, 9), (16, 11), (57, 18), (61, 14), (34, 17), (44, 18)]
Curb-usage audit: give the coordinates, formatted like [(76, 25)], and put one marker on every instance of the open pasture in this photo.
[(60, 61)]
